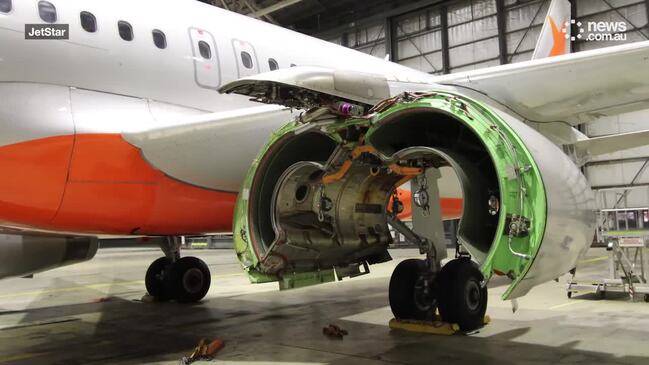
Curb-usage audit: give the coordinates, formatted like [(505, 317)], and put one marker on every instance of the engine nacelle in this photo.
[(22, 255), (316, 198)]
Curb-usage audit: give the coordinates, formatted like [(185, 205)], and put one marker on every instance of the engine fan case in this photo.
[(534, 180)]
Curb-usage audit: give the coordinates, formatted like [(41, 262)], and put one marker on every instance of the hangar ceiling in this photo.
[(314, 16)]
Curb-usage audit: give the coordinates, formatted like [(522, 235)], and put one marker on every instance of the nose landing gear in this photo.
[(186, 279)]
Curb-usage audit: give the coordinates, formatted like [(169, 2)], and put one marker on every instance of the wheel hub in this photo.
[(193, 280), (472, 295), (424, 299)]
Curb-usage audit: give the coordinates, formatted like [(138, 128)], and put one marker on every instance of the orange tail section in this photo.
[(555, 34)]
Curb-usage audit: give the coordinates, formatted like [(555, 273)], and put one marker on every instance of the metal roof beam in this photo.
[(273, 8)]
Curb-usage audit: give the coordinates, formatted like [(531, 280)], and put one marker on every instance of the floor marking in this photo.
[(96, 286), (216, 276), (12, 358), (601, 258), (566, 304), (74, 288), (39, 323)]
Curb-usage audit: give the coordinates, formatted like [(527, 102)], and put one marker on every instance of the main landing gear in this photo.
[(185, 279), (420, 288)]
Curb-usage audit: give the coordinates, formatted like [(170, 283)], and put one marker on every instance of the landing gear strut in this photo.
[(418, 288), (185, 279)]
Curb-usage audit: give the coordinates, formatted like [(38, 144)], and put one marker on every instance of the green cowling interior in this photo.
[(487, 154)]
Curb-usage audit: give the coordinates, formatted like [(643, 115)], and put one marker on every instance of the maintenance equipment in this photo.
[(627, 268)]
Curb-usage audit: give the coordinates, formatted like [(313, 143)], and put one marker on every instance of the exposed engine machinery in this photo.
[(23, 255), (314, 205)]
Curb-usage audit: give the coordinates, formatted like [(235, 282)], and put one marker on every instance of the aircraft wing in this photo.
[(574, 88), (199, 150), (612, 143)]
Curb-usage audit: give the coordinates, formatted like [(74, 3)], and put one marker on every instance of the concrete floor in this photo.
[(91, 313)]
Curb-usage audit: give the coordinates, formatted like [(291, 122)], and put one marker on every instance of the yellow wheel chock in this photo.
[(436, 327)]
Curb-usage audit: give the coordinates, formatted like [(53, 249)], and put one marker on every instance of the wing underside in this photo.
[(212, 150)]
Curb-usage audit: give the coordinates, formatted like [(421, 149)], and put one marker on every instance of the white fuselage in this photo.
[(67, 103)]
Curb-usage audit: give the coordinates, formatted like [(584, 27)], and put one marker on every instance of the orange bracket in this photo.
[(406, 171), (328, 179), (356, 153)]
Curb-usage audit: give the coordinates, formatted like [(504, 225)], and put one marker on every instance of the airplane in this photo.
[(147, 123)]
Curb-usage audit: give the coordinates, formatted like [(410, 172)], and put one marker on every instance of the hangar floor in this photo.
[(91, 313)]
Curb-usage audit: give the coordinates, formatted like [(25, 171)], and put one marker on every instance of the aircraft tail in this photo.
[(555, 34)]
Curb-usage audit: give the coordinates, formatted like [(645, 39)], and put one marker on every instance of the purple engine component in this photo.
[(346, 108)]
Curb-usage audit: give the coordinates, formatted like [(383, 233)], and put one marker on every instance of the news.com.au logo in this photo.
[(596, 31)]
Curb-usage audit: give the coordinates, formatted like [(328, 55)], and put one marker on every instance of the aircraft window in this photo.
[(159, 39), (5, 6), (125, 30), (246, 59), (88, 22), (205, 50), (47, 11), (273, 64), (293, 65)]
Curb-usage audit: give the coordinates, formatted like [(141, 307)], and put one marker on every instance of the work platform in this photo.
[(627, 269)]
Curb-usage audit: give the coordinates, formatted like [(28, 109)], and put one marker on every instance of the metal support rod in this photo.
[(646, 8), (421, 53), (637, 175), (409, 7), (378, 36), (639, 30), (254, 9), (344, 39), (273, 8), (391, 41), (529, 27), (574, 29), (171, 247), (446, 60), (431, 251), (502, 39)]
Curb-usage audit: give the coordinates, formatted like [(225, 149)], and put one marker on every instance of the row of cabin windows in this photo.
[(47, 12)]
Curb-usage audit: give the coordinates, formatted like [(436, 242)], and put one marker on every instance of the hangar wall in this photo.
[(453, 36)]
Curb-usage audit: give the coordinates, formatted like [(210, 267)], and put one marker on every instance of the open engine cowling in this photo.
[(22, 255), (316, 198)]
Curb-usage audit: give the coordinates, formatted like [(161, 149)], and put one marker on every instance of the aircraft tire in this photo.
[(190, 279), (156, 279), (462, 295), (406, 301)]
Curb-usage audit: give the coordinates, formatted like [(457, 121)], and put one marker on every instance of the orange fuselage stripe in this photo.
[(104, 186), (99, 183)]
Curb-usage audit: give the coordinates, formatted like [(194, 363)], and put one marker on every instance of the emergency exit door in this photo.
[(207, 72)]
